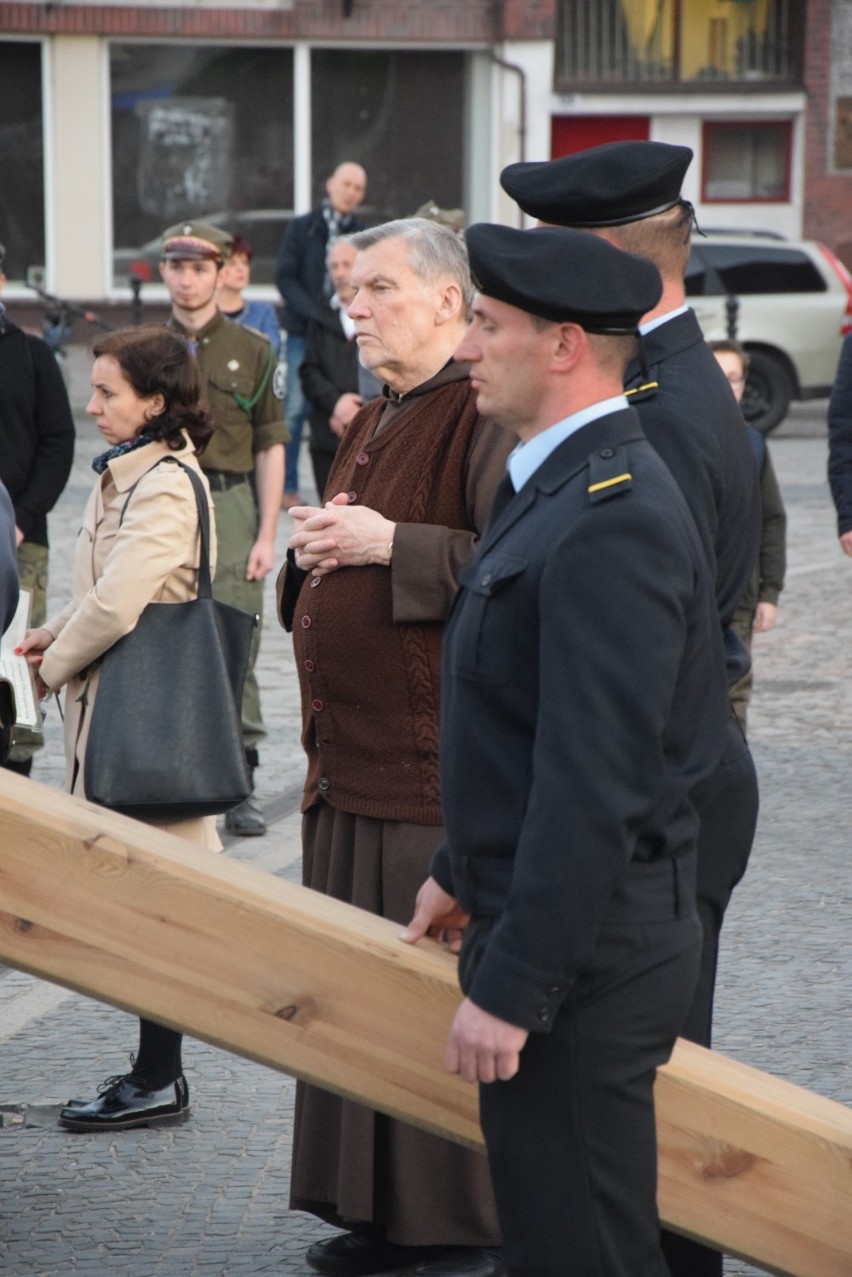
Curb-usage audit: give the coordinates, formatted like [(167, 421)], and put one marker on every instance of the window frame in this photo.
[(709, 127), (793, 80)]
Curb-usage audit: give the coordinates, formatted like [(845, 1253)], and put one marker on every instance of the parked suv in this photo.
[(791, 304)]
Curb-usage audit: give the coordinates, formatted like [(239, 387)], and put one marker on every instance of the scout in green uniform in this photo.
[(244, 461)]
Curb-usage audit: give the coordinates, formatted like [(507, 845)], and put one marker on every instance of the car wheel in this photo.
[(768, 391)]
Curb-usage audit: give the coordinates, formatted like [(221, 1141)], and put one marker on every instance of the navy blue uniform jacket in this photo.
[(583, 697), (694, 423)]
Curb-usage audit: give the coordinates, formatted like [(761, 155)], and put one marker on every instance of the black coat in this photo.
[(300, 270), (584, 696), (840, 440), (8, 565), (36, 428), (328, 370), (693, 421)]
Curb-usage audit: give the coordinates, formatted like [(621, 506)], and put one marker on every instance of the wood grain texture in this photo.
[(315, 988)]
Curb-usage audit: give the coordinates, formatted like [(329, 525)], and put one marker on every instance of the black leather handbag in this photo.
[(165, 739)]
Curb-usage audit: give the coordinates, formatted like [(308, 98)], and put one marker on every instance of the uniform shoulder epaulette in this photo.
[(608, 474), (636, 394)]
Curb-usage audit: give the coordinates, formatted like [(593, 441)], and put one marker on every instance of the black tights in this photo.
[(158, 1060)]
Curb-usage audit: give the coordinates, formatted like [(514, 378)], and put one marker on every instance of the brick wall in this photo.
[(828, 191), (434, 20)]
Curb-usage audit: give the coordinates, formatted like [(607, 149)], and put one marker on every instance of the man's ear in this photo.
[(450, 303), (569, 344)]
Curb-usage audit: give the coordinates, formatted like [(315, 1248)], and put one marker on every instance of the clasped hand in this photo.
[(339, 535)]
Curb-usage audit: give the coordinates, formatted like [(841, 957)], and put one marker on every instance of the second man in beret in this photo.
[(584, 694)]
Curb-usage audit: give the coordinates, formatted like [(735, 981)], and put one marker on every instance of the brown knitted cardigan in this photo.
[(371, 687)]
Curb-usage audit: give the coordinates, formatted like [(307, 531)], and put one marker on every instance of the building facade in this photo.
[(117, 119)]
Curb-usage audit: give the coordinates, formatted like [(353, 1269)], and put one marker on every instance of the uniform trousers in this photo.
[(236, 532), (727, 805), (743, 626), (571, 1138)]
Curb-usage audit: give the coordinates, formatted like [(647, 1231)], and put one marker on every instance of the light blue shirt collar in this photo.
[(662, 319), (526, 458)]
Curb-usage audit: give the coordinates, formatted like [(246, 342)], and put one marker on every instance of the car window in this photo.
[(696, 276), (744, 268)]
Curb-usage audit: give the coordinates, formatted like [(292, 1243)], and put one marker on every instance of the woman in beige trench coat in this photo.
[(145, 402)]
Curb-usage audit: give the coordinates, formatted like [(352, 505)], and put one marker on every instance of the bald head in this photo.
[(347, 187)]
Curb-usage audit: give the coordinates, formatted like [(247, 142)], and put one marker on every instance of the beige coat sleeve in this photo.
[(150, 557)]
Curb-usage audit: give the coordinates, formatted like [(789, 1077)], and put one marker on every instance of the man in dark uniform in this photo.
[(584, 694), (244, 461), (630, 194)]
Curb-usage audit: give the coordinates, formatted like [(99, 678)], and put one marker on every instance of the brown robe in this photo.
[(350, 1164)]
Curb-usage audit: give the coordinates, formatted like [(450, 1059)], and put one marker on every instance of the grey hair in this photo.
[(435, 250)]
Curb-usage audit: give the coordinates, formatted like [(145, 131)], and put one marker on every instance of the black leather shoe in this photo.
[(246, 819), (362, 1253), (125, 1102), (461, 1261), (354, 1254)]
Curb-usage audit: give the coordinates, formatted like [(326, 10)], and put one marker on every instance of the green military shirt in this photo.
[(237, 375)]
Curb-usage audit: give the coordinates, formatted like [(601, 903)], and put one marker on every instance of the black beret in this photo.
[(562, 275), (605, 186)]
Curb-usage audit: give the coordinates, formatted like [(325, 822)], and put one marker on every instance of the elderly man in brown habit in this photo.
[(367, 588)]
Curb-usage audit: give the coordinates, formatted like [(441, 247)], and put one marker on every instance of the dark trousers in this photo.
[(321, 462), (571, 1138), (727, 804)]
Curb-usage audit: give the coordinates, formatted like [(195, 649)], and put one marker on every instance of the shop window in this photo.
[(200, 132), (21, 158), (746, 162), (612, 43), (398, 113)]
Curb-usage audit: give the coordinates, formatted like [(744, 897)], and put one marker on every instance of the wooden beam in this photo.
[(315, 988)]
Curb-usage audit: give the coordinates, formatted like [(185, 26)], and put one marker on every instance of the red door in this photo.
[(570, 133)]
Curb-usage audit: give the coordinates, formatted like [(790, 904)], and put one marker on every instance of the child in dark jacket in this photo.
[(757, 609)]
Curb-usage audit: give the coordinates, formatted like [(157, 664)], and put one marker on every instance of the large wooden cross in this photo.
[(315, 988)]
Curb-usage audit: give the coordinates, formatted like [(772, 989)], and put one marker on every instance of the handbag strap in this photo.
[(205, 584)]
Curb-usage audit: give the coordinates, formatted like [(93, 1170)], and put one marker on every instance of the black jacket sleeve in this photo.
[(299, 272), (8, 567), (318, 385), (54, 430), (840, 440)]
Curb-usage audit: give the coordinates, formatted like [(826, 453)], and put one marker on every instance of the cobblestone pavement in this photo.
[(210, 1197)]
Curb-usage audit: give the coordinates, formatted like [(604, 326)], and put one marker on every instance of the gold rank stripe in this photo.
[(608, 483), (648, 385)]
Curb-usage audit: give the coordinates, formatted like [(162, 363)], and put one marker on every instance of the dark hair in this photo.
[(240, 245), (157, 361)]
